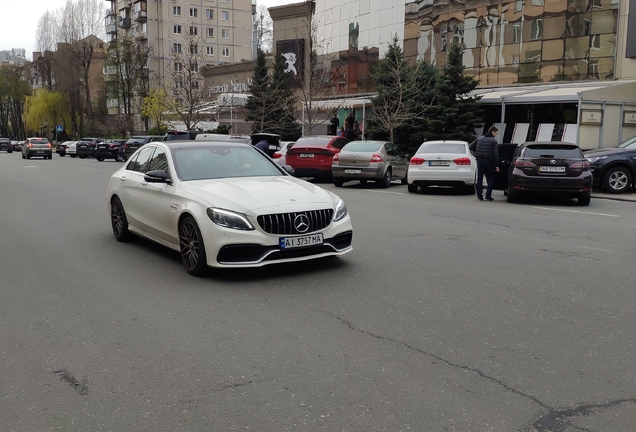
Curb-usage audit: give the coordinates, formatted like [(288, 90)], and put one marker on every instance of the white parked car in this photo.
[(280, 156), (443, 163), (223, 204), (71, 149)]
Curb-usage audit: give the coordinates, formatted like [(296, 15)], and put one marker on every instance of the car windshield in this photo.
[(39, 141), (442, 148), (135, 140), (629, 144), (362, 147), (555, 151), (218, 161)]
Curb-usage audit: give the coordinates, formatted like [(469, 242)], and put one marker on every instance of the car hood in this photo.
[(608, 152), (277, 194)]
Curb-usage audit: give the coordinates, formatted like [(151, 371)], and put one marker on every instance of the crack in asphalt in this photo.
[(555, 421), (239, 384), (563, 254), (447, 362), (80, 387)]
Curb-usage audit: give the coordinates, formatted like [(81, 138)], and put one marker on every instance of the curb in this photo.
[(614, 198)]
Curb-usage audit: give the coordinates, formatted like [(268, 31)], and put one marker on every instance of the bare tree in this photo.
[(46, 44), (264, 29), (187, 93)]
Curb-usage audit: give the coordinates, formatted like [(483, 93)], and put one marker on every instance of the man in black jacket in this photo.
[(487, 154)]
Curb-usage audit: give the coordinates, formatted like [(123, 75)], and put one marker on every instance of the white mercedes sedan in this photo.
[(443, 163), (222, 204)]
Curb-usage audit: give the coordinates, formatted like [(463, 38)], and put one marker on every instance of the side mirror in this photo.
[(289, 169), (157, 176)]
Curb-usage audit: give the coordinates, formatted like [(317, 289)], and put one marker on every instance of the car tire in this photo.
[(405, 180), (9, 151), (617, 180), (412, 187), (584, 200), (363, 181), (386, 180), (23, 156), (338, 181), (100, 159), (512, 197), (191, 247), (82, 157), (469, 189), (118, 220), (28, 156), (73, 156)]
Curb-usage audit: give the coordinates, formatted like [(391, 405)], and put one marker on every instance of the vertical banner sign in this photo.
[(294, 53), (630, 49)]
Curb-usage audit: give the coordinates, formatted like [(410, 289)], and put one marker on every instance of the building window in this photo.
[(194, 12), (537, 2), (194, 67), (176, 29), (194, 30), (516, 33), (225, 52), (210, 32), (225, 33), (176, 48), (595, 42), (225, 16), (194, 49), (536, 29), (225, 1), (178, 67), (209, 51), (209, 13), (176, 10)]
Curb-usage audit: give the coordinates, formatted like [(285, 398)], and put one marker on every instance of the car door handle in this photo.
[(122, 179)]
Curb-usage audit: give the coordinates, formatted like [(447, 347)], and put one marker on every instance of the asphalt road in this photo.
[(450, 315)]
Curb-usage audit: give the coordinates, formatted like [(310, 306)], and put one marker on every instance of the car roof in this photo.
[(548, 143), (193, 144), (445, 142)]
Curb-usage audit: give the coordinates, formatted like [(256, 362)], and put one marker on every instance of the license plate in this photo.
[(306, 155), (438, 163), (350, 171), (302, 241), (552, 169)]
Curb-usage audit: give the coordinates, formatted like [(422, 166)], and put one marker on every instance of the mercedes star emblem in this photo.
[(553, 162), (301, 223)]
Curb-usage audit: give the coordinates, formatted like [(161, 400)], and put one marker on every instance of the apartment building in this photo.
[(219, 29), (14, 56)]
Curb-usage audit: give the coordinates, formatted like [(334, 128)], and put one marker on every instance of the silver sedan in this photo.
[(379, 161)]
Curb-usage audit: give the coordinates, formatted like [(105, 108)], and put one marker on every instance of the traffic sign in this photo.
[(59, 128)]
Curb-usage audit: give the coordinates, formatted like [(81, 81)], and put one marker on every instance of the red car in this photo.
[(311, 156)]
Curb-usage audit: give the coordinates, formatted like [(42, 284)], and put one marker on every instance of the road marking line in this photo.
[(576, 211), (377, 191)]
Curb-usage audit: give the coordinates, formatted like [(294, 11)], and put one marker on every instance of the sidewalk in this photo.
[(627, 197)]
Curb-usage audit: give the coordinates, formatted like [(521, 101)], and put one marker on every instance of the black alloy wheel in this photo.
[(192, 247), (118, 220), (617, 180)]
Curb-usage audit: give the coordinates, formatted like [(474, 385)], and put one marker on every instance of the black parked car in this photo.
[(86, 147), (5, 145), (61, 148), (135, 142), (109, 149), (179, 136), (549, 168), (614, 168)]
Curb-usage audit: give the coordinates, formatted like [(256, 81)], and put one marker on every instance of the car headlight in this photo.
[(229, 219), (341, 211), (595, 158)]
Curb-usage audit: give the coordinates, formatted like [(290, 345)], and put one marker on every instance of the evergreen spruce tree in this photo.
[(456, 115), (258, 103)]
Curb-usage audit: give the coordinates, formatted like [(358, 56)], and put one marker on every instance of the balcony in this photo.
[(110, 12), (141, 15), (124, 23), (111, 28)]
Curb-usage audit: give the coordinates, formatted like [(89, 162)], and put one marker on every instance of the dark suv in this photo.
[(179, 136), (86, 147), (555, 168), (108, 149), (5, 144), (614, 168)]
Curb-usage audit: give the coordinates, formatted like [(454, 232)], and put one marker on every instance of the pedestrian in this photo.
[(487, 154), (341, 132), (356, 130), (349, 121), (349, 133), (263, 146), (335, 123)]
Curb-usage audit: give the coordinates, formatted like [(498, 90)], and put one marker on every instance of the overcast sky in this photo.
[(20, 19)]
